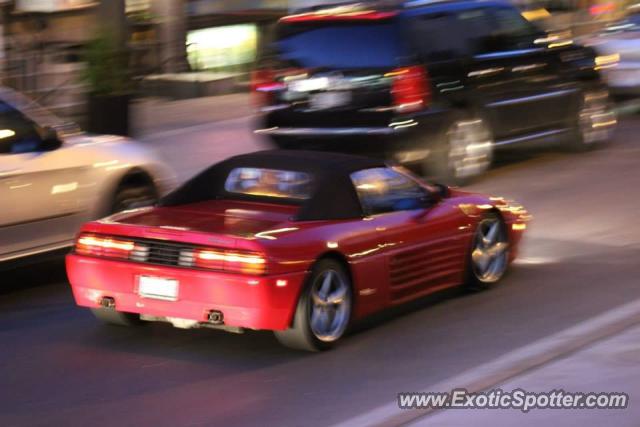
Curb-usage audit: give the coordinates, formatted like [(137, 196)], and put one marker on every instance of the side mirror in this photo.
[(442, 191), (50, 139)]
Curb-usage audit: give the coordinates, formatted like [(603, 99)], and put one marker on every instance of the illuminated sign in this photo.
[(222, 48), (206, 7), (50, 5)]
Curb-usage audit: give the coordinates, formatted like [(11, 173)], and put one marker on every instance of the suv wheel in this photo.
[(134, 197), (594, 122), (282, 143), (464, 152)]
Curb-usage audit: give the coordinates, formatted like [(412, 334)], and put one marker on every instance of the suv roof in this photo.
[(409, 7)]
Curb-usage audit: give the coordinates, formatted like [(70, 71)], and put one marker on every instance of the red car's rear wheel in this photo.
[(323, 312)]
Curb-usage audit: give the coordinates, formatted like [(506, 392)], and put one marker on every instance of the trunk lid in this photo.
[(216, 223), (237, 219)]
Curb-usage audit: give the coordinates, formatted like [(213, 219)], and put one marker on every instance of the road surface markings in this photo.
[(510, 365)]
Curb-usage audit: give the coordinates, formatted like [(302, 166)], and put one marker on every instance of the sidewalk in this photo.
[(150, 116), (610, 365), (597, 355), (192, 134)]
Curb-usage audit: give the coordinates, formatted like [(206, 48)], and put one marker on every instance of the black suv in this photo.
[(439, 84)]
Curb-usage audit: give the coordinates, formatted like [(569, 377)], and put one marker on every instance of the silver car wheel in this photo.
[(330, 306), (490, 251), (470, 148), (133, 198)]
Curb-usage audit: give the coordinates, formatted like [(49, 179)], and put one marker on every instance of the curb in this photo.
[(622, 109), (510, 365), (193, 128)]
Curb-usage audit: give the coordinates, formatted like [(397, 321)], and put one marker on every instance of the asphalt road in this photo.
[(61, 367)]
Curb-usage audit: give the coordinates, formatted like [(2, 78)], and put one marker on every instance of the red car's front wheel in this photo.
[(489, 256), (323, 312)]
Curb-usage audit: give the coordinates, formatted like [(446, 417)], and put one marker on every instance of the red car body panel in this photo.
[(392, 258), (249, 302)]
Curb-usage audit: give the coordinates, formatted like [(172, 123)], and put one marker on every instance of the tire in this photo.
[(283, 143), (589, 126), (464, 151), (488, 256), (131, 197), (331, 320), (113, 317)]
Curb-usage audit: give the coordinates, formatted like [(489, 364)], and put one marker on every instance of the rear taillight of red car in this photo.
[(215, 259), (232, 261), (410, 88), (104, 246)]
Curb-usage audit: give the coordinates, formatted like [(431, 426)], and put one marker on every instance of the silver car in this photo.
[(54, 177), (618, 49)]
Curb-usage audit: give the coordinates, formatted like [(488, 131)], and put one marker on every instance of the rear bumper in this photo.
[(327, 132), (245, 301), (377, 144), (394, 138)]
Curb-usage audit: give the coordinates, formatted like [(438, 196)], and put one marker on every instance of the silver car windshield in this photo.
[(37, 113)]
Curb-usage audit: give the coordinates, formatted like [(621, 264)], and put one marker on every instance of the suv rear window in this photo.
[(341, 45), (269, 183)]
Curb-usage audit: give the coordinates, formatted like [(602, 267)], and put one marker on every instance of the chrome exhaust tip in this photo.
[(215, 317), (108, 303)]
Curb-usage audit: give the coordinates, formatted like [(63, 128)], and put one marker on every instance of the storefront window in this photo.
[(230, 48)]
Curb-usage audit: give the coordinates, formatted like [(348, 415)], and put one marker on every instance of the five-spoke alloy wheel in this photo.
[(323, 312), (489, 256), (331, 306)]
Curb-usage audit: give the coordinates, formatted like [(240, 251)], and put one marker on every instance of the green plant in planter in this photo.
[(142, 17), (106, 72), (106, 69)]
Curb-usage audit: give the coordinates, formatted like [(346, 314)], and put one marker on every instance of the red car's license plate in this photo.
[(158, 288)]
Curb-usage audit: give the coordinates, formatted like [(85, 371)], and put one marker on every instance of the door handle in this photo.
[(528, 67), (485, 72)]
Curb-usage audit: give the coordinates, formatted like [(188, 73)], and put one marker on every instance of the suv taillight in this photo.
[(266, 82), (263, 85), (410, 89)]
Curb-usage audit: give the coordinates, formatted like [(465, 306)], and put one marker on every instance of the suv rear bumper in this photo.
[(320, 131), (404, 139)]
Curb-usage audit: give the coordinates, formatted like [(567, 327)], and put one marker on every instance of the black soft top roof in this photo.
[(333, 196)]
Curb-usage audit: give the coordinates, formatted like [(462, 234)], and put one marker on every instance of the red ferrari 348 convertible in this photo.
[(301, 243)]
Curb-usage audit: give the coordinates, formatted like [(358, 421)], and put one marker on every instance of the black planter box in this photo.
[(109, 114)]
